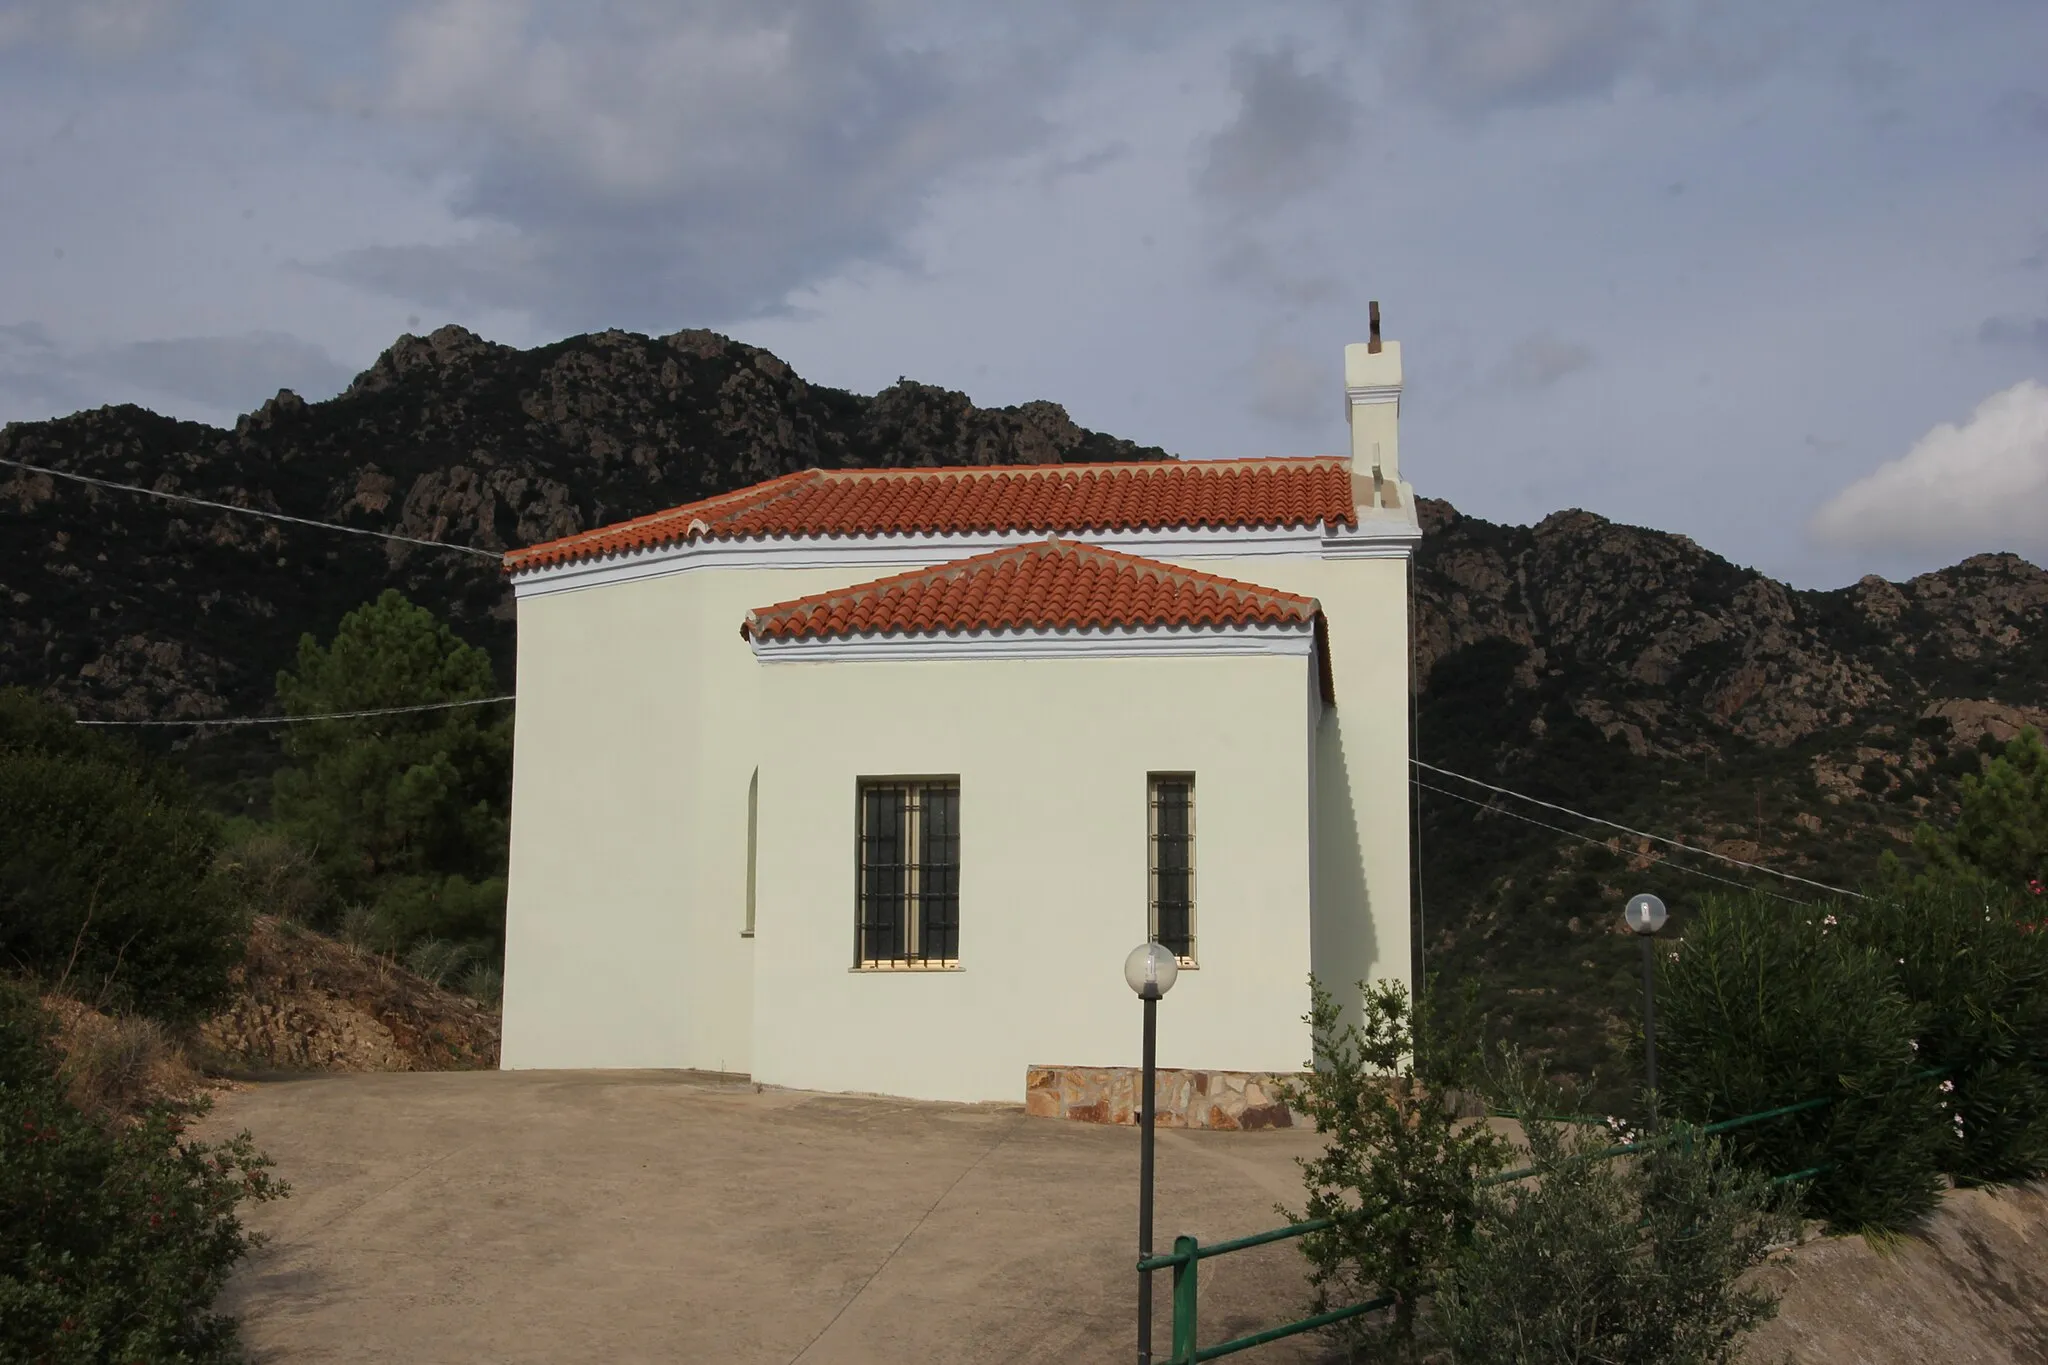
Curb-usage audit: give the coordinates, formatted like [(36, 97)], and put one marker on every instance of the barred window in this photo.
[(909, 885), (1172, 800)]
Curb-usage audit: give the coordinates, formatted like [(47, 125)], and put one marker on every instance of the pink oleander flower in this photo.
[(1948, 1087)]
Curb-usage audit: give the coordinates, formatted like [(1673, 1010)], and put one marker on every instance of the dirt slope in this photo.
[(312, 1003), (1971, 1289)]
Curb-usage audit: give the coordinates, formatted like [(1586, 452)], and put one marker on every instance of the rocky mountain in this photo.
[(1632, 675), (127, 607), (1601, 668)]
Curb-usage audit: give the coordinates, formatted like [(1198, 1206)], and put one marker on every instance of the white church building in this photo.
[(868, 780)]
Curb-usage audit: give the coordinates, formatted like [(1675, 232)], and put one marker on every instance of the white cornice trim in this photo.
[(1292, 640), (1364, 395), (1380, 535)]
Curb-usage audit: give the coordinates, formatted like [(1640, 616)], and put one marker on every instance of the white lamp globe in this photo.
[(1645, 914), (1150, 970)]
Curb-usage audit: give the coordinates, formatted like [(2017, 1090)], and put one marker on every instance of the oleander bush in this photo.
[(1967, 952), (1765, 1004)]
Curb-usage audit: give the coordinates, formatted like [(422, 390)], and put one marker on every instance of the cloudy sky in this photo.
[(1771, 274)]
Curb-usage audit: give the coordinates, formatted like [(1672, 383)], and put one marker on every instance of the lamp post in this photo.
[(1150, 970), (1644, 916)]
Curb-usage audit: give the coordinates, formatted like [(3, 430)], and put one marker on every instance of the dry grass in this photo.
[(117, 1065), (275, 875)]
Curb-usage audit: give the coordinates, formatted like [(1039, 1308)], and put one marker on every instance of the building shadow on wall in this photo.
[(1343, 942)]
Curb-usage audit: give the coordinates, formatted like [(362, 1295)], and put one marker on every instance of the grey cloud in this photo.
[(2030, 333), (1477, 55), (1293, 387), (214, 375), (1542, 359), (660, 166), (1251, 264), (1087, 163), (104, 28), (1290, 128), (35, 380), (224, 372), (2027, 109)]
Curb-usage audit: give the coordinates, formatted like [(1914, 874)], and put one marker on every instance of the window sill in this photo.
[(902, 968)]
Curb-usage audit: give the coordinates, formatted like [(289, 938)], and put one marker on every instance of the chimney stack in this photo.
[(1372, 394)]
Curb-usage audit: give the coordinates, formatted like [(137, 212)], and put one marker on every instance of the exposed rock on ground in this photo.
[(303, 1002), (307, 1002)]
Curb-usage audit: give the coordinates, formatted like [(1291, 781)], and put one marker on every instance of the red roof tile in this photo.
[(1057, 499), (1046, 585)]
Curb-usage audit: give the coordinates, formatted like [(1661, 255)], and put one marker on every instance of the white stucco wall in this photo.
[(1363, 840), (643, 718), (1052, 758)]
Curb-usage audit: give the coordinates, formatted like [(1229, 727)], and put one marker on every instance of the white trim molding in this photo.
[(1379, 535), (1369, 395), (1295, 639)]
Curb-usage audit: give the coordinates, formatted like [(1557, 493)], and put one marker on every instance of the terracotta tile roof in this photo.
[(1063, 499), (1048, 584)]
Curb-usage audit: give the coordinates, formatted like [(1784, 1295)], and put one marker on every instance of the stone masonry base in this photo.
[(1181, 1099)]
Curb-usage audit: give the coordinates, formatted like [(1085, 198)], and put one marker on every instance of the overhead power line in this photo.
[(1641, 833), (1663, 859), (249, 511), (301, 720)]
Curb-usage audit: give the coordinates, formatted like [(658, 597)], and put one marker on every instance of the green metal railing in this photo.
[(1188, 1254)]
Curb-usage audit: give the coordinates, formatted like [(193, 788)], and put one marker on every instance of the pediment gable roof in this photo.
[(1046, 585)]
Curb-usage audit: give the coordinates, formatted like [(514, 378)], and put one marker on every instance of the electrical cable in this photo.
[(1661, 858), (1641, 834), (300, 720), (1415, 720), (249, 511)]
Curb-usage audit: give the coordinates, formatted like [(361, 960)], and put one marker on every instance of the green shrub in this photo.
[(272, 873), (485, 984), (105, 884), (1630, 1261), (1968, 955), (436, 959), (1399, 1175), (1764, 1004), (411, 909), (114, 1240)]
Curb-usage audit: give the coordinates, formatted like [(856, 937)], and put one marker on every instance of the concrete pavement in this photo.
[(628, 1216)]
